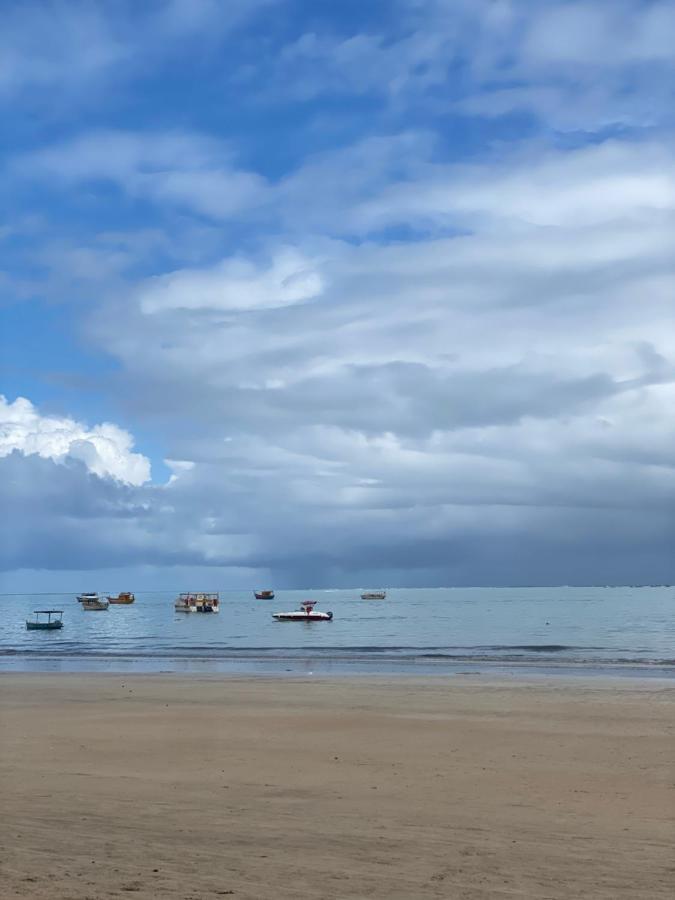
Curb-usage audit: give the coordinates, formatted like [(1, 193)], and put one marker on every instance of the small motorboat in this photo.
[(201, 602), (264, 595), (373, 595), (92, 595), (51, 623), (94, 603), (306, 613), (124, 598)]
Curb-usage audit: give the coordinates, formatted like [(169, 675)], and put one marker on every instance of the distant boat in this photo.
[(125, 597), (94, 603), (92, 595), (306, 613), (264, 595), (51, 623), (374, 595), (201, 602)]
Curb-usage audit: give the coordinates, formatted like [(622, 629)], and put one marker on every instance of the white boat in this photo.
[(373, 595), (306, 613), (94, 603), (92, 595), (200, 602)]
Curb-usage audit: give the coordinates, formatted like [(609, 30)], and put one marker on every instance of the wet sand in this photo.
[(169, 787)]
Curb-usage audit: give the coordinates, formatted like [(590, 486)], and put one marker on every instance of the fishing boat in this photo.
[(94, 603), (306, 613), (51, 623), (201, 602), (264, 595), (124, 598), (92, 595), (373, 595)]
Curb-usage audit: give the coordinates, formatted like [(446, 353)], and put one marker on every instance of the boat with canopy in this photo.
[(200, 602), (45, 620)]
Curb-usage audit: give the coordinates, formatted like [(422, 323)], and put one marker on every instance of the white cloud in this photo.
[(235, 284), (105, 449), (587, 186), (603, 33), (44, 44), (69, 48), (189, 171)]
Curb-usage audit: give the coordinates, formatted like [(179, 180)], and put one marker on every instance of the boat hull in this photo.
[(303, 617), (196, 609), (122, 600), (44, 626), (99, 606)]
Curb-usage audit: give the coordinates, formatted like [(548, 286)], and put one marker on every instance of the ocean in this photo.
[(564, 630)]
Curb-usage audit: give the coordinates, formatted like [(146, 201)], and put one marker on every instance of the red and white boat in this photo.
[(306, 613)]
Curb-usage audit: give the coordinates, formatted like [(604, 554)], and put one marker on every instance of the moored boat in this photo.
[(92, 595), (264, 595), (51, 623), (124, 598), (373, 595), (200, 601), (94, 603), (306, 613)]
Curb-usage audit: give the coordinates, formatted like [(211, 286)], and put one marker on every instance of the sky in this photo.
[(299, 294)]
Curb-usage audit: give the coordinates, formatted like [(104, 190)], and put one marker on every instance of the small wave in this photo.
[(540, 648)]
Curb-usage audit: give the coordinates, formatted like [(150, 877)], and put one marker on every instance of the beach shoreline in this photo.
[(307, 664), (464, 787)]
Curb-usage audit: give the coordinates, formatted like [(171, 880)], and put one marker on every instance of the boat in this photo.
[(200, 601), (264, 595), (373, 595), (125, 597), (306, 613), (92, 595), (94, 603), (51, 623)]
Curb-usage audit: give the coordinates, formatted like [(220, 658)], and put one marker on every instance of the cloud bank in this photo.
[(389, 295)]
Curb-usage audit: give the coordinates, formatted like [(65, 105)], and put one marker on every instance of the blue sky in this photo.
[(337, 293)]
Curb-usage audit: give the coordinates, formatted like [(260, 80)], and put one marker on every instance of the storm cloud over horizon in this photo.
[(338, 297)]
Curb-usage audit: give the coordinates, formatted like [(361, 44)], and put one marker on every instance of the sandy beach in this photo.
[(166, 787)]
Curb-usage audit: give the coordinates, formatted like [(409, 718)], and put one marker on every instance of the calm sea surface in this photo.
[(598, 630)]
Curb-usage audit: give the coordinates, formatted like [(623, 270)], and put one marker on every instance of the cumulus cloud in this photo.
[(105, 449)]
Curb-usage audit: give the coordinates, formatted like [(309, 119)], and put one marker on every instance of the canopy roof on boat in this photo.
[(39, 611)]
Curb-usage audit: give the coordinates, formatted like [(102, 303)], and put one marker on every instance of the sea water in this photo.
[(612, 630)]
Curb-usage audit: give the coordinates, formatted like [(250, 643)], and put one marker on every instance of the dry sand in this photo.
[(164, 787)]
